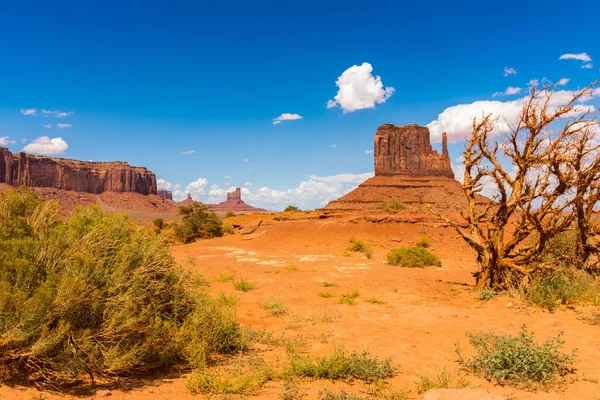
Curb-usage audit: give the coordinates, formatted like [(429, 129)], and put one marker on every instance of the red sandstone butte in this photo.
[(165, 194), (409, 170), (234, 203), (23, 169)]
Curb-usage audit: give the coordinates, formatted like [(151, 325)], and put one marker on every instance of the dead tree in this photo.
[(534, 172)]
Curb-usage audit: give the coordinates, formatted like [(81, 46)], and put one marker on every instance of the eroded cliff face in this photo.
[(91, 177), (406, 150), (165, 194)]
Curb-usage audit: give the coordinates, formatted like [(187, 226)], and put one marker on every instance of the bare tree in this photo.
[(545, 177)]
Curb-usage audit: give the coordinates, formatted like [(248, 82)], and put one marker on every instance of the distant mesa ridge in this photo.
[(165, 194), (234, 203), (21, 169)]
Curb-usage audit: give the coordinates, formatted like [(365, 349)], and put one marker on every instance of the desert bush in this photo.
[(228, 229), (159, 223), (197, 223), (292, 209), (274, 306), (412, 257), (560, 249), (326, 294), (340, 365), (441, 380), (550, 289), (243, 285), (424, 242), (327, 284), (229, 214), (360, 247), (487, 294), (348, 298), (96, 296), (327, 394), (518, 360), (392, 205), (292, 391)]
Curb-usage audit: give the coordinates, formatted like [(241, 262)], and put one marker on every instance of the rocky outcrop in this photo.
[(165, 194), (23, 169), (188, 201), (235, 204), (406, 150)]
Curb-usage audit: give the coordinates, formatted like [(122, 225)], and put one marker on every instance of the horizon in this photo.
[(281, 101)]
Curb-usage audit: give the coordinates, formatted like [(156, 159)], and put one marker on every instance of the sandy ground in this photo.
[(425, 315)]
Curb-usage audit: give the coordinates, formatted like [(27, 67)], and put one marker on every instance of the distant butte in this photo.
[(234, 203), (407, 169)]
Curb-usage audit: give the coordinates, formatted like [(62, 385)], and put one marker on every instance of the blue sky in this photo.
[(146, 81)]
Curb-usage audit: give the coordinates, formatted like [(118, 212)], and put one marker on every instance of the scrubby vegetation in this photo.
[(360, 247), (392, 205), (441, 380), (487, 294), (564, 286), (159, 223), (229, 214), (243, 285), (292, 209), (197, 223), (424, 242), (348, 298), (274, 306), (94, 296), (412, 257), (518, 360)]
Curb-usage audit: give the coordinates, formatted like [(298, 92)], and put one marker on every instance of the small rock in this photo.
[(509, 305)]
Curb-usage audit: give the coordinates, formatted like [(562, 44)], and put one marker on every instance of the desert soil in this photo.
[(426, 313)]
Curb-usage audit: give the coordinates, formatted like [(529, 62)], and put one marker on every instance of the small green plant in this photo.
[(243, 285), (327, 394), (593, 319), (374, 300), (224, 277), (326, 294), (228, 229), (518, 360), (341, 365), (487, 294), (348, 298), (412, 257), (274, 306), (361, 247), (292, 209), (441, 380), (159, 224), (230, 300), (292, 391), (392, 205), (327, 284), (551, 289), (424, 242), (229, 214)]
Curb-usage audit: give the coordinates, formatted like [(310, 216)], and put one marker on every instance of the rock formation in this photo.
[(90, 177), (234, 203), (407, 169), (165, 194), (188, 201), (406, 150)]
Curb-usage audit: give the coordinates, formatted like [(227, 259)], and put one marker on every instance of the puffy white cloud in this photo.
[(57, 114), (188, 152), (457, 120), (28, 111), (508, 92), (509, 71), (563, 81), (163, 184), (46, 146), (583, 57), (286, 117), (359, 89), (195, 188), (4, 141), (62, 126), (48, 126)]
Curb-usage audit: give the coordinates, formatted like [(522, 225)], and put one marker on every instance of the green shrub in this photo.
[(348, 298), (360, 247), (327, 394), (412, 257), (327, 284), (229, 214), (197, 223), (548, 290), (274, 306), (243, 285), (341, 365), (518, 360), (392, 205), (292, 209), (442, 380), (159, 223), (228, 229), (487, 294), (325, 295), (560, 249), (424, 242), (96, 296)]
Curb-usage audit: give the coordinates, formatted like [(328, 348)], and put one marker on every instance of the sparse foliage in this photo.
[(544, 170), (412, 257), (197, 223), (159, 223), (392, 205), (292, 209), (360, 247)]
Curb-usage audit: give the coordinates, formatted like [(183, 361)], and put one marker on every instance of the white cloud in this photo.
[(508, 92), (196, 188), (509, 71), (368, 151), (359, 89), (48, 126), (247, 184), (286, 117), (4, 141), (61, 126), (226, 177), (28, 111), (46, 146), (333, 146), (583, 57), (563, 81), (163, 184), (188, 152), (57, 114), (457, 120)]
